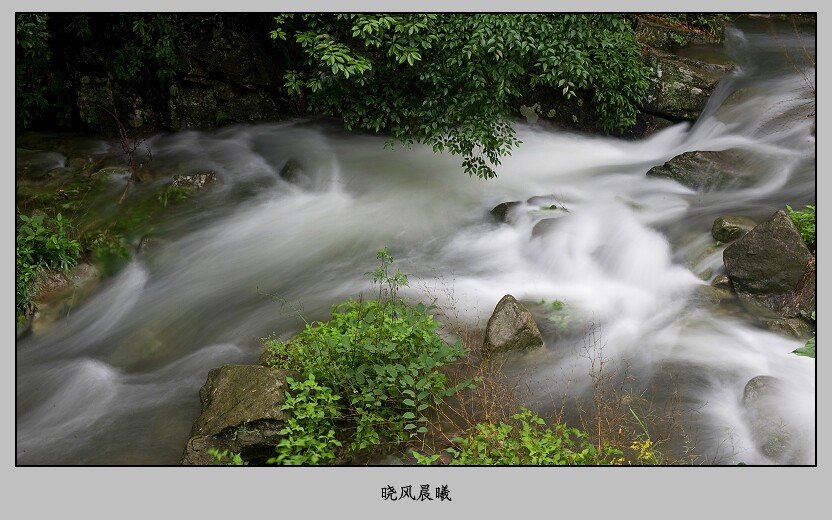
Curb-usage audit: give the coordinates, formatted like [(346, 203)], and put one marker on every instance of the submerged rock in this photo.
[(772, 433)]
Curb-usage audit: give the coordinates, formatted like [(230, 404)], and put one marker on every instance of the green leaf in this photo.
[(807, 350)]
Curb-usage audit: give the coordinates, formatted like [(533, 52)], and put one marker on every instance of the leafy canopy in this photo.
[(450, 81)]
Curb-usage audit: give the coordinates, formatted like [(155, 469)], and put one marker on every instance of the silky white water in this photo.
[(116, 381)]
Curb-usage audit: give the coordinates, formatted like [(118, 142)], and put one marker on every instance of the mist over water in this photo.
[(117, 380)]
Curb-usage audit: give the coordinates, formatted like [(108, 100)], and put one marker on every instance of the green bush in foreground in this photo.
[(525, 441), (383, 357), (309, 435)]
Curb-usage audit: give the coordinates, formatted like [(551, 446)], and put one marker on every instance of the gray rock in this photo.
[(794, 327), (713, 295), (766, 264), (511, 328), (705, 171), (240, 413), (722, 281), (728, 228), (680, 87), (195, 180), (502, 211)]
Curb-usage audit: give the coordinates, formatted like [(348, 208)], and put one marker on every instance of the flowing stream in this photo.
[(116, 380)]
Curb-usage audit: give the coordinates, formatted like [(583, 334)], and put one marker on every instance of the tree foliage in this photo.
[(450, 81), (32, 63), (137, 49)]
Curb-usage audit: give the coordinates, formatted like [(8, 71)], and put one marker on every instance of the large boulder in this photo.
[(706, 170), (240, 413), (680, 87), (511, 328), (766, 264)]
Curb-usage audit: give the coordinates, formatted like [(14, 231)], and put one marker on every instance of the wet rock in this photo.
[(502, 212), (680, 87), (706, 171), (766, 264), (794, 327), (722, 281), (728, 228), (240, 413), (714, 295), (195, 180), (511, 328), (291, 171)]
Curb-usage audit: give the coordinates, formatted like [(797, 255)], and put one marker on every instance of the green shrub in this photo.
[(383, 355), (109, 250), (525, 441), (41, 244), (804, 220), (175, 194), (309, 434)]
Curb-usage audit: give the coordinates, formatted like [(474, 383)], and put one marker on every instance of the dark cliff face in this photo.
[(189, 71)]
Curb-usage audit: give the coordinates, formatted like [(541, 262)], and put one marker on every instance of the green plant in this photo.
[(174, 193), (41, 244), (526, 440), (222, 117), (226, 458), (709, 24), (109, 250), (309, 434), (559, 313), (385, 355), (147, 41), (451, 81), (804, 220)]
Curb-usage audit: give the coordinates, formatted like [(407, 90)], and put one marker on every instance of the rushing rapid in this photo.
[(116, 380)]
